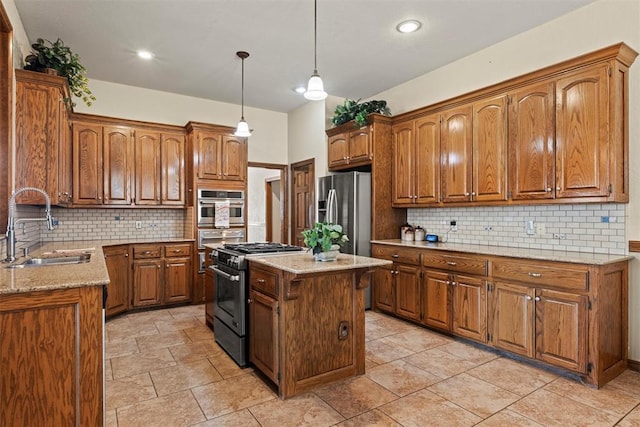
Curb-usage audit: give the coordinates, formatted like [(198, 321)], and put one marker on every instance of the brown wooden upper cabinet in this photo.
[(416, 161), (555, 135), (43, 137), (350, 149), (220, 156), (127, 166)]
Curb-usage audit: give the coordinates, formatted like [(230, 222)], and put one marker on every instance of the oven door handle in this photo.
[(226, 275)]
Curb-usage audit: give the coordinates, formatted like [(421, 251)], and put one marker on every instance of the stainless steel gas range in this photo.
[(231, 314)]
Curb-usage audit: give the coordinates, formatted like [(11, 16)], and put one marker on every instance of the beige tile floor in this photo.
[(163, 368)]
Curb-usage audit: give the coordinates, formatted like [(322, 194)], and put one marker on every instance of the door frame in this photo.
[(284, 201), (311, 164), (6, 110)]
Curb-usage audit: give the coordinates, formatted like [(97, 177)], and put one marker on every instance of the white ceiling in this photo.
[(359, 51)]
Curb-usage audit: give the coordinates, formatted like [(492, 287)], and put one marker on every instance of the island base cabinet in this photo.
[(51, 358), (306, 329)]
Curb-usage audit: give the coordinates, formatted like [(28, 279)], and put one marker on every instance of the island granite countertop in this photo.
[(504, 251), (304, 263)]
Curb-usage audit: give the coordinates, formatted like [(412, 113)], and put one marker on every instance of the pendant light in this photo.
[(315, 88), (243, 128)]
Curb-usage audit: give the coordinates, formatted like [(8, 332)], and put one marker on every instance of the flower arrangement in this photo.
[(323, 235)]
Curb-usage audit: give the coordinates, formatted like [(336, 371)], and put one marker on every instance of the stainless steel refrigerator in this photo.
[(345, 199)]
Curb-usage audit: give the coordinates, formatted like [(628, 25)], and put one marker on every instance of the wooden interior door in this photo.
[(303, 196)]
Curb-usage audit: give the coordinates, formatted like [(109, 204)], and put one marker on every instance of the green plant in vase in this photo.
[(323, 236), (357, 111)]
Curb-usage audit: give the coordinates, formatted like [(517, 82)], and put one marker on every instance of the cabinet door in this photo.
[(117, 162), (263, 345), (426, 161), (117, 260), (383, 291), (403, 157), (456, 154), (437, 300), (360, 146), (147, 280), (87, 164), (470, 307), (37, 128), (582, 129), (234, 158), (532, 143), (173, 169), (561, 329), (489, 150), (177, 280), (209, 156), (408, 292), (147, 172), (338, 152), (513, 318)]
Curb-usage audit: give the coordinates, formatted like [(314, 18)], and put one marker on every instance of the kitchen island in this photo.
[(51, 341), (306, 318)]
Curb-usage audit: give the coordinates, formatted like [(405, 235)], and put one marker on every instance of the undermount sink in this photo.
[(61, 260)]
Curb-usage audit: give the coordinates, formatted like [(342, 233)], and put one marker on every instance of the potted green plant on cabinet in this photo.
[(357, 111), (56, 56)]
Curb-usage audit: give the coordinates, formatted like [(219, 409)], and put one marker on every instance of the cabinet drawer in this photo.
[(180, 250), (264, 281), (394, 253), (147, 251), (561, 277), (455, 263)]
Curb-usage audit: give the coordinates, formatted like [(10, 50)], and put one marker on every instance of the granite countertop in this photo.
[(92, 273), (304, 263), (540, 254)]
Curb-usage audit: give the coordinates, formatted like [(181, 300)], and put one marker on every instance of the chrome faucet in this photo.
[(11, 233)]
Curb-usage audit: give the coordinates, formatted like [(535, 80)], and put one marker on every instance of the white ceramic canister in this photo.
[(418, 234)]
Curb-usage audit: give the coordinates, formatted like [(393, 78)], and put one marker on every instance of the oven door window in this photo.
[(230, 298)]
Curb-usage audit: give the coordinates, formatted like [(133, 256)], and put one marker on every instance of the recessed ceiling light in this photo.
[(145, 54), (300, 89), (409, 26)]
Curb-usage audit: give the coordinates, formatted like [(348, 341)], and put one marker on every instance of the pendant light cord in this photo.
[(242, 92), (315, 36)]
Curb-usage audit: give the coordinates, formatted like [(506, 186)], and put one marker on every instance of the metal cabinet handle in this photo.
[(534, 274), (261, 281), (126, 255), (249, 301), (528, 297), (536, 299), (452, 263), (146, 252), (395, 256), (226, 275), (453, 283), (558, 188), (548, 189), (466, 194)]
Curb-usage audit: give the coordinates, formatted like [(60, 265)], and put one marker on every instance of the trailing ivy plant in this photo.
[(59, 57), (354, 110)]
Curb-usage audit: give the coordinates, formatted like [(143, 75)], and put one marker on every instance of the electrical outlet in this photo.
[(138, 225), (487, 228), (541, 229), (560, 236), (530, 227), (454, 225)]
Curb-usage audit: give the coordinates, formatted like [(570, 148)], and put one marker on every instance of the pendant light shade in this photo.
[(315, 88), (243, 128)]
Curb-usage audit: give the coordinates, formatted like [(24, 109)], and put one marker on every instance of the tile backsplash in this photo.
[(115, 224), (595, 228)]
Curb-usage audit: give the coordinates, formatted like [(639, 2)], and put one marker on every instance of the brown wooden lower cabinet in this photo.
[(161, 274), (117, 260), (51, 358), (569, 315)]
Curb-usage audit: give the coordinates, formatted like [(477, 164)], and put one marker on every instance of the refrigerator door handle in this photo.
[(332, 207)]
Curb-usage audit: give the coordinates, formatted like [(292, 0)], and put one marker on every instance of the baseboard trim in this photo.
[(634, 365)]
